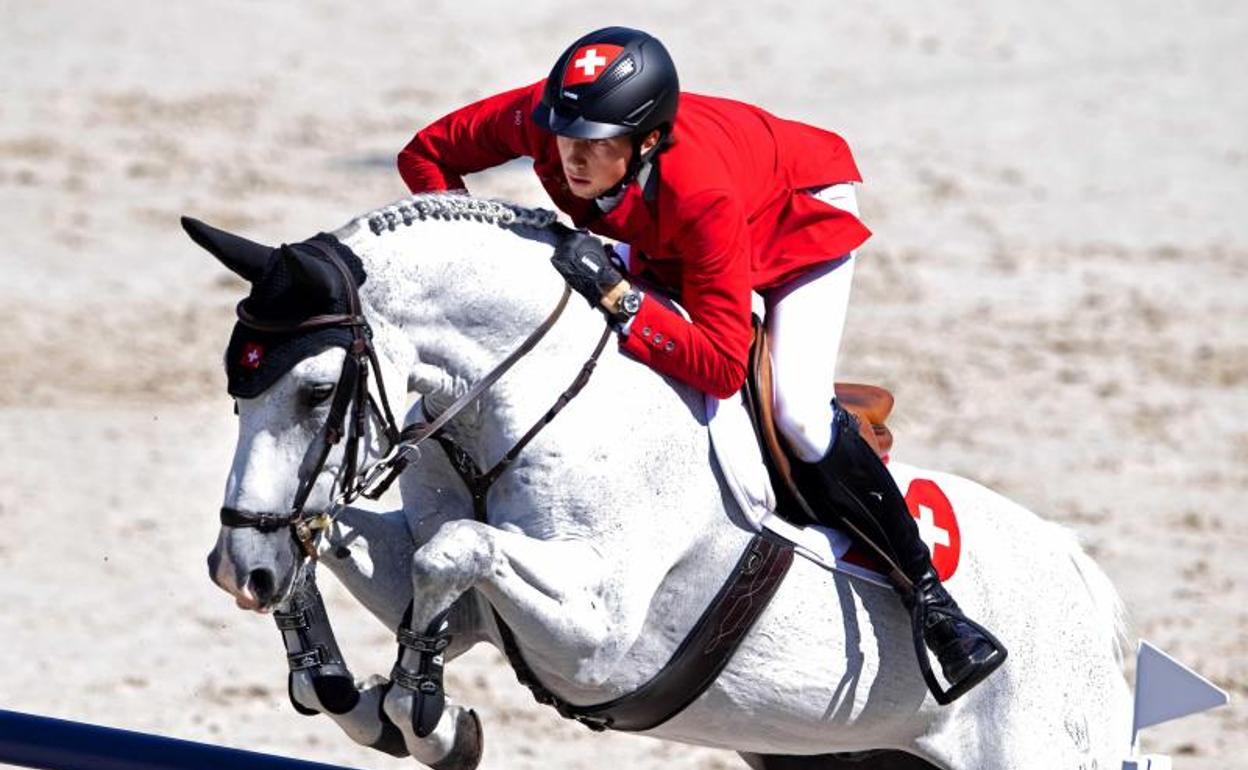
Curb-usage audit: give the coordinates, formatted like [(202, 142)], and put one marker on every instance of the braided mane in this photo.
[(452, 206)]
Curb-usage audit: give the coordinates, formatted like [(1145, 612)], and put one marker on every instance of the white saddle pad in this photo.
[(741, 462)]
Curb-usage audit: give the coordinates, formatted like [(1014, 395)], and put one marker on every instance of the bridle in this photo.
[(352, 394)]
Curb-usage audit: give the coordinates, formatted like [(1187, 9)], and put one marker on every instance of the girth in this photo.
[(698, 660)]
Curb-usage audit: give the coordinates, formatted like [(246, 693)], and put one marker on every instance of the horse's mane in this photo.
[(452, 206)]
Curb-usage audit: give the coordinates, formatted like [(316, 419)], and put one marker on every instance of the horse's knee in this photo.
[(458, 553)]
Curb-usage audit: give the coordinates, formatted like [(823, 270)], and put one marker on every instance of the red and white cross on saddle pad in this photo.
[(741, 465)]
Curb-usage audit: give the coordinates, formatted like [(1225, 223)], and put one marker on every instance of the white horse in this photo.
[(613, 531)]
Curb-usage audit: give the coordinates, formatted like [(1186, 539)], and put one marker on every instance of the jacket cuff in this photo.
[(641, 340)]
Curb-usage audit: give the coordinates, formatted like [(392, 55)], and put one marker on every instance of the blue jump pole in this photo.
[(55, 744)]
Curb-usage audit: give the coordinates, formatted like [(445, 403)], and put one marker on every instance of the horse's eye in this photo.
[(317, 394)]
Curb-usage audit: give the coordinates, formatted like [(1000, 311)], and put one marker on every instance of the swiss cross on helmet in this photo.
[(612, 82)]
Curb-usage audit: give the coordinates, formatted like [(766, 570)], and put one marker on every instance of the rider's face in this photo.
[(593, 166)]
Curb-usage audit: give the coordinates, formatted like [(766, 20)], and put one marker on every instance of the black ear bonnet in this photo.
[(298, 282)]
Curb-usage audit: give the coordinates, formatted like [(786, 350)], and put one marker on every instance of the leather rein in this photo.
[(351, 394)]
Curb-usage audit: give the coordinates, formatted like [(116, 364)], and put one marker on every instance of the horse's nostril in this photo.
[(262, 583)]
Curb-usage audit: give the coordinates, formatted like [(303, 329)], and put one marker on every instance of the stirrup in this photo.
[(918, 622)]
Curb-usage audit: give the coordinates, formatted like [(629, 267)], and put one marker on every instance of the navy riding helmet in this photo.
[(614, 81)]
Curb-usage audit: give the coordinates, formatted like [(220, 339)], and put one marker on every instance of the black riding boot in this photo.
[(850, 483)]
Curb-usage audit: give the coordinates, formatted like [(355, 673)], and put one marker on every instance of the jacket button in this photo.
[(645, 332), (670, 346), (658, 339)]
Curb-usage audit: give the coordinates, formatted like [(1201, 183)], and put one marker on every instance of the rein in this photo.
[(351, 394), (404, 451), (479, 482)]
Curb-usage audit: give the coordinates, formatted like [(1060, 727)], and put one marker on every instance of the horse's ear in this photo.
[(246, 258), (311, 276)]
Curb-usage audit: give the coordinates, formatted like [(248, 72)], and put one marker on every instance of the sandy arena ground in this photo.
[(1056, 292)]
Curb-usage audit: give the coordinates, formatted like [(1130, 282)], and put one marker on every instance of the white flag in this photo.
[(1165, 689)]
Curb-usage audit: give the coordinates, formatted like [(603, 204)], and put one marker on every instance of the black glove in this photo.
[(586, 265)]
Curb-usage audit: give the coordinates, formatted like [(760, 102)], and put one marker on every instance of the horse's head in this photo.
[(439, 323), (293, 364)]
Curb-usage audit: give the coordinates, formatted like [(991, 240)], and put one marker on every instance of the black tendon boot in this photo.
[(851, 484), (311, 648), (424, 679)]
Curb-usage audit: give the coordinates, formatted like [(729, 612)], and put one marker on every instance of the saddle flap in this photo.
[(870, 405)]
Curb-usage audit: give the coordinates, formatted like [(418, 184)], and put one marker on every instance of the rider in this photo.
[(718, 200)]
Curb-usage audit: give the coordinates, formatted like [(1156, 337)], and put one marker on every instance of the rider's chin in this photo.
[(580, 186)]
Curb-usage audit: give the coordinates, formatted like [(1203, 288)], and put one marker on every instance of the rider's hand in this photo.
[(586, 265)]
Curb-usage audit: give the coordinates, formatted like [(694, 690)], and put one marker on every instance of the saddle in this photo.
[(870, 405)]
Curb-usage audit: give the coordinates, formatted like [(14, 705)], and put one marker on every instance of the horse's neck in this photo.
[(456, 297)]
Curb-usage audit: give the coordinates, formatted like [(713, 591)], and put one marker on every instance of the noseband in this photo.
[(351, 394)]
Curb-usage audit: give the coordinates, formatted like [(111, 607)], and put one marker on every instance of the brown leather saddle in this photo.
[(870, 404)]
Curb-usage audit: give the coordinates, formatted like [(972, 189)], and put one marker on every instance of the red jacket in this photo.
[(726, 215)]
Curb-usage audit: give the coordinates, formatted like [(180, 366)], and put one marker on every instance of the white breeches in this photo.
[(805, 318)]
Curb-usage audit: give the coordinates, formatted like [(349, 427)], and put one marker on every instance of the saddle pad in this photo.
[(741, 464)]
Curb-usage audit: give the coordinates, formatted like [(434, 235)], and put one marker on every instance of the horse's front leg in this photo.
[(370, 554), (357, 708), (561, 597), (319, 681)]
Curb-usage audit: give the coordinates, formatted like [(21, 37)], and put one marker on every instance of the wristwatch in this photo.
[(627, 306)]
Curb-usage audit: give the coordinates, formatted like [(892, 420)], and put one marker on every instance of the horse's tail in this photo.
[(1110, 610)]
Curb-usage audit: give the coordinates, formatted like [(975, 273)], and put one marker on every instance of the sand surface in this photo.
[(1056, 292)]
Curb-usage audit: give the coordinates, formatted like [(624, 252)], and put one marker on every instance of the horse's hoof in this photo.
[(469, 744)]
